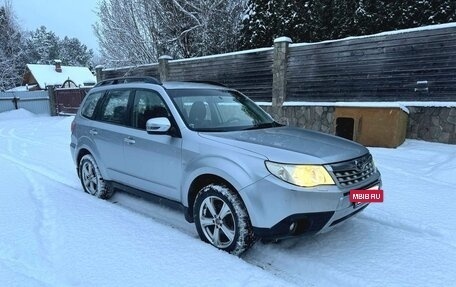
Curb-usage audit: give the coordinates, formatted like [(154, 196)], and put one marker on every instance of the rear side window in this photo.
[(90, 104), (115, 108)]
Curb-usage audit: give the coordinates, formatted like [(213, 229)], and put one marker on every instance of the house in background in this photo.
[(39, 77)]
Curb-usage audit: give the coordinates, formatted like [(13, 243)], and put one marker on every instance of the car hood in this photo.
[(291, 145)]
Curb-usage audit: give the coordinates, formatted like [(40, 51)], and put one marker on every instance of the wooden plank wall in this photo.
[(377, 68), (141, 70), (250, 73), (380, 68)]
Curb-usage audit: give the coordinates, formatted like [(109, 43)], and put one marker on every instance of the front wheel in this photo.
[(222, 220)]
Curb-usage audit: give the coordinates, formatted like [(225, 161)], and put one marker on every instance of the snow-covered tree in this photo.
[(11, 55), (73, 53), (42, 46), (17, 48), (266, 20), (139, 31), (317, 20)]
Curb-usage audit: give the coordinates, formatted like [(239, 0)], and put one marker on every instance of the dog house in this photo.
[(371, 125)]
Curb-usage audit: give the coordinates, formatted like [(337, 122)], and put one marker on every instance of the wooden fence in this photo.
[(408, 65)]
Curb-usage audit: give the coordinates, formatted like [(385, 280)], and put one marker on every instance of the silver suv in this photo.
[(211, 151)]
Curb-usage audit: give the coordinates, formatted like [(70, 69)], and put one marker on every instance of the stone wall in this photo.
[(435, 124), (310, 117)]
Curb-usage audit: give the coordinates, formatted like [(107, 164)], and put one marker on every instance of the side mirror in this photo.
[(158, 125)]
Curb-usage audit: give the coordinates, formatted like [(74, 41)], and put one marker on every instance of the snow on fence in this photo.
[(36, 101)]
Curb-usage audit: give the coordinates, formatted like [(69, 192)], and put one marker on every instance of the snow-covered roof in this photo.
[(46, 75), (21, 88)]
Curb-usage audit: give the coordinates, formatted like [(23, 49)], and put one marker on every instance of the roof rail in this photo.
[(209, 82), (123, 80)]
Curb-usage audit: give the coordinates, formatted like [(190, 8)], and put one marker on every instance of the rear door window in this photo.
[(115, 107)]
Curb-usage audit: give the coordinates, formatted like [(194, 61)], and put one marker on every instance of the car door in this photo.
[(153, 162), (109, 131)]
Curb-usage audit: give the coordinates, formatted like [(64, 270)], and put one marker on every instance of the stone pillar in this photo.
[(279, 80), (52, 105), (99, 72), (163, 67)]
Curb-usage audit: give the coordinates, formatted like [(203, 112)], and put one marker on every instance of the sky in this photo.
[(63, 17)]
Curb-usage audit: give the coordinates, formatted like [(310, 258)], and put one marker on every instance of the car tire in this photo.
[(222, 220), (91, 178)]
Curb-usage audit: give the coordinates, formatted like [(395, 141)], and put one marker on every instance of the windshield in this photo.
[(219, 110)]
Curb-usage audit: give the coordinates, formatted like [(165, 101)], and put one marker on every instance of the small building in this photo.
[(39, 77), (375, 125)]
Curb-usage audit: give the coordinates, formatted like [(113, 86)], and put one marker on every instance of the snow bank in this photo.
[(16, 115), (53, 234)]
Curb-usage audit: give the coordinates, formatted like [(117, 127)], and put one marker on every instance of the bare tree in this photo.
[(11, 53), (139, 31)]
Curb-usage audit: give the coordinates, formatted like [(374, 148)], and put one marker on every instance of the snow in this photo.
[(15, 114), (54, 234), (402, 104), (46, 75), (21, 88), (283, 39), (394, 32)]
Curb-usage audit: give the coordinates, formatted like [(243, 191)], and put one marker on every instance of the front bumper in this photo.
[(278, 209)]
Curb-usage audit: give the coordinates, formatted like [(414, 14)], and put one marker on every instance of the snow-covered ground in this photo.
[(53, 234)]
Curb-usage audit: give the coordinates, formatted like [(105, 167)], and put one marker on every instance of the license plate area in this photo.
[(358, 204)]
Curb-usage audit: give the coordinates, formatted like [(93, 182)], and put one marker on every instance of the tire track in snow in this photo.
[(409, 226), (9, 258), (9, 142), (329, 273), (40, 170), (46, 232), (258, 256), (408, 174), (47, 227)]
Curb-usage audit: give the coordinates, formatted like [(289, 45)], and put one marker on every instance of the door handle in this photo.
[(129, 140), (93, 132)]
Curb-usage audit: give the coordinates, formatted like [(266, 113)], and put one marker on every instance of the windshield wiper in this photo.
[(264, 126)]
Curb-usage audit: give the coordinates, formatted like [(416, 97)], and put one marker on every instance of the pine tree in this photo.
[(318, 20), (266, 20), (42, 46), (73, 53)]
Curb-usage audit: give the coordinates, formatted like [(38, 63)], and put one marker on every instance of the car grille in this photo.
[(353, 172)]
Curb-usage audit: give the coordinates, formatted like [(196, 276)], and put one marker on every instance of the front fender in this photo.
[(239, 174)]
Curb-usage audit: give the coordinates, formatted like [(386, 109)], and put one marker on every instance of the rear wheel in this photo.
[(222, 220), (91, 178)]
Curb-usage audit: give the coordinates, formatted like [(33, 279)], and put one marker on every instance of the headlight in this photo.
[(302, 175)]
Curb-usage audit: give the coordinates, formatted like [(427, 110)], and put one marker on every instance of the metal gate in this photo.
[(67, 101), (36, 102)]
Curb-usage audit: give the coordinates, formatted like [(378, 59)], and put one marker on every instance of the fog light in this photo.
[(292, 226)]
